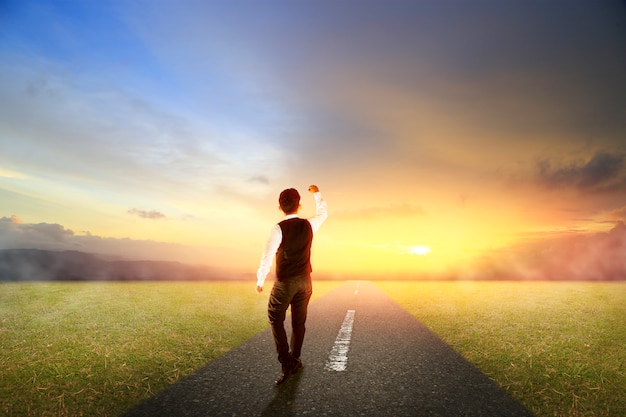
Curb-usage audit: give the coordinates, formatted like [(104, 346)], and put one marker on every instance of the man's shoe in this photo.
[(287, 369), (297, 365)]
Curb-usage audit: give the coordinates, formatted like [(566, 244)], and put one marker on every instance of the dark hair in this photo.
[(289, 200)]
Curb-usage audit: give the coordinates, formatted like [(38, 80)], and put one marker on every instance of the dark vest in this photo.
[(293, 257)]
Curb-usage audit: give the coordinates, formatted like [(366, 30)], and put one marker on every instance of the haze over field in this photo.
[(453, 138)]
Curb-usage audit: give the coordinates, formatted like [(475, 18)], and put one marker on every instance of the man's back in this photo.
[(293, 257)]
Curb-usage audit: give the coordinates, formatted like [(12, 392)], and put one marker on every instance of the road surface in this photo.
[(363, 355)]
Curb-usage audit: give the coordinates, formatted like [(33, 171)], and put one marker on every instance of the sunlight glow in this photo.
[(5, 173), (419, 250)]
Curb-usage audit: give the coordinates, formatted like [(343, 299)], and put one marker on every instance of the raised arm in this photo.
[(321, 209)]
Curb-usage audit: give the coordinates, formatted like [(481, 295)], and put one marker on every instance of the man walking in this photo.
[(290, 242)]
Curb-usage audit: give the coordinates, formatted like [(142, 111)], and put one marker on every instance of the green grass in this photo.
[(558, 347), (96, 349)]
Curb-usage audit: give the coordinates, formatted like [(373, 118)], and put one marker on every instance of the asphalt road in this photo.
[(394, 366)]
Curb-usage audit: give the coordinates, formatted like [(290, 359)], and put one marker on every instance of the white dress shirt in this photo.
[(276, 237)]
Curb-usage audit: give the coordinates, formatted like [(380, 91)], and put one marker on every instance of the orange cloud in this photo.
[(618, 214), (574, 256), (392, 211)]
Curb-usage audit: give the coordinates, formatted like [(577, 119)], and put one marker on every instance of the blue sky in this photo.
[(464, 126)]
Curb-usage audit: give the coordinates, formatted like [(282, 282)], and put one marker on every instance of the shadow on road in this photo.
[(283, 402)]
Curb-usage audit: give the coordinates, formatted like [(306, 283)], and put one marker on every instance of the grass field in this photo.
[(558, 347), (96, 349)]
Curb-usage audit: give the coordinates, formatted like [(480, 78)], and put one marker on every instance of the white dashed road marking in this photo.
[(338, 357)]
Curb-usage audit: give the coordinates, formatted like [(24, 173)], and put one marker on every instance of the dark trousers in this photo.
[(295, 292)]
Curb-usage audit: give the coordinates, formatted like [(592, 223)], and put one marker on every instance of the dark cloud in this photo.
[(604, 172), (14, 234), (144, 214)]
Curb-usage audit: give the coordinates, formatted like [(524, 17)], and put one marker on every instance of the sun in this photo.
[(419, 250)]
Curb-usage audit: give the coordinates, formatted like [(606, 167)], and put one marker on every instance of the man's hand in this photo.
[(313, 189), (259, 289)]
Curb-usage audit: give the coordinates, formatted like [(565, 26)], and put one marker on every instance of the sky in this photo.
[(459, 138)]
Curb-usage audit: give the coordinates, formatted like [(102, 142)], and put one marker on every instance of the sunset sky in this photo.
[(167, 129)]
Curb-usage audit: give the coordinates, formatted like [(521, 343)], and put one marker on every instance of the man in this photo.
[(290, 242)]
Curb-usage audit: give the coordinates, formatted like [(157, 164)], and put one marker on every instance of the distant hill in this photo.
[(44, 265)]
